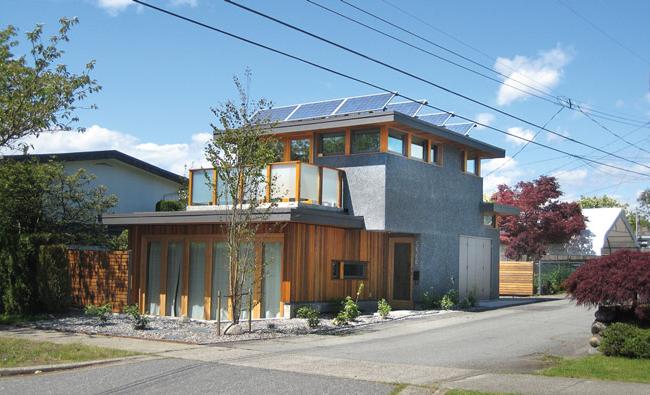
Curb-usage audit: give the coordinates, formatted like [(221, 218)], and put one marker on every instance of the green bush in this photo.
[(626, 340), (140, 322), (449, 300), (101, 312), (351, 308), (53, 278), (170, 205), (430, 300), (383, 308), (552, 281), (310, 314), (341, 318)]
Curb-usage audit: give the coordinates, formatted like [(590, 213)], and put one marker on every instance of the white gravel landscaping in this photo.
[(205, 332)]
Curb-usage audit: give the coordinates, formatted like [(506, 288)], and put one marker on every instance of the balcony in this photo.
[(286, 184)]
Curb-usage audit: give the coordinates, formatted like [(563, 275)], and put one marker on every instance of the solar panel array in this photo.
[(358, 104)]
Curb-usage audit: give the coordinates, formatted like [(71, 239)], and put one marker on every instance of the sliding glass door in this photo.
[(196, 279), (272, 256), (153, 278), (220, 279), (174, 278)]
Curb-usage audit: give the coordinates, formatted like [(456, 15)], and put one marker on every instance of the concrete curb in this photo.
[(23, 370)]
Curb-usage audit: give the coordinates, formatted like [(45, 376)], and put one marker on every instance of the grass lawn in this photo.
[(602, 368), (469, 392), (20, 352)]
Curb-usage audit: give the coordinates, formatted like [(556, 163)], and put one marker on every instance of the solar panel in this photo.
[(315, 110), (462, 128), (274, 114), (408, 107), (438, 119), (365, 103)]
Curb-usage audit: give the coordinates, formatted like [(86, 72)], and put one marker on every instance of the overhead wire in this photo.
[(362, 81)]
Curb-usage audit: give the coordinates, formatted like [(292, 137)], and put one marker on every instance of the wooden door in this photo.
[(400, 271)]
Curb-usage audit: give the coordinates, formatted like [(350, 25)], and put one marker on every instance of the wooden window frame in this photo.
[(319, 138), (338, 269), (406, 139), (366, 131), (425, 146)]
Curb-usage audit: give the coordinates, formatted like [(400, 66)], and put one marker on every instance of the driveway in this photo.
[(436, 350)]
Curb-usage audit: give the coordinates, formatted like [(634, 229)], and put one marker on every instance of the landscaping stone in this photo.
[(597, 328), (235, 330), (594, 341)]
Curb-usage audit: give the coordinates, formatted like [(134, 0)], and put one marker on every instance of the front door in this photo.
[(400, 273)]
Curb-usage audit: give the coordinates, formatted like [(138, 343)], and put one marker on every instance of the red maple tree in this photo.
[(543, 219)]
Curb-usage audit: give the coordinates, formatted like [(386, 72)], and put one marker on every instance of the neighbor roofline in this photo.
[(102, 155)]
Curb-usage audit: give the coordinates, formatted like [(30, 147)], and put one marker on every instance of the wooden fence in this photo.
[(516, 278), (99, 277)]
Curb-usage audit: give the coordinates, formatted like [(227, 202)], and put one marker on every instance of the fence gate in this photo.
[(516, 278)]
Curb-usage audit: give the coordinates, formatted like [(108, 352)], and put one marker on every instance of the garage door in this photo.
[(474, 266)]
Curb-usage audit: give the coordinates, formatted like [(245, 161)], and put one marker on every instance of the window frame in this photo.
[(319, 146), (424, 145), (404, 138), (366, 131), (338, 269), (309, 150)]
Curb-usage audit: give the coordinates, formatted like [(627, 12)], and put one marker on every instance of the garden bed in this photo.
[(205, 332)]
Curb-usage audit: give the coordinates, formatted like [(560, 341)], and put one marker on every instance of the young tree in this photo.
[(239, 152), (543, 219), (38, 93)]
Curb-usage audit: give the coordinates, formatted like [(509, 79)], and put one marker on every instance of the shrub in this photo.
[(626, 340), (430, 300), (471, 299), (383, 308), (170, 205), (53, 278), (449, 300), (140, 322), (310, 314), (101, 312), (350, 308), (620, 279), (552, 281), (341, 318)]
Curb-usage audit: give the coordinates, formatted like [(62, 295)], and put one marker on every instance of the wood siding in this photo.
[(309, 251), (516, 278), (99, 277)]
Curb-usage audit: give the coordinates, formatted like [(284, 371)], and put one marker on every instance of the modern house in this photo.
[(373, 191), (138, 185)]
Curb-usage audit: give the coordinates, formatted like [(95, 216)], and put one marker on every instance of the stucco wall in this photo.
[(435, 203), (136, 190)]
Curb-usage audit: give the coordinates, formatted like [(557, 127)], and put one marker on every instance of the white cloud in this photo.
[(543, 72), (571, 178), (485, 118), (523, 133), (550, 137), (173, 157), (508, 173)]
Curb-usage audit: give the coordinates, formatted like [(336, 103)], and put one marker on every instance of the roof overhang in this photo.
[(498, 209), (381, 117), (300, 214)]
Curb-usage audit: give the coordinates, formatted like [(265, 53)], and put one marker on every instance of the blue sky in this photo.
[(160, 76)]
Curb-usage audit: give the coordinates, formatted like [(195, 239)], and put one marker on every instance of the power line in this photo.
[(424, 80), (367, 83), (604, 33), (527, 143), (608, 130), (492, 58)]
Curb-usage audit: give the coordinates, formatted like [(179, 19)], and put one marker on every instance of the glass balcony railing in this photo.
[(285, 182)]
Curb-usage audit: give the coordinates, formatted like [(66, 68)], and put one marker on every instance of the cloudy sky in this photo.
[(160, 76)]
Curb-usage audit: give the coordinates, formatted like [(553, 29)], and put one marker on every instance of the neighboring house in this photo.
[(373, 192), (138, 185), (607, 231)]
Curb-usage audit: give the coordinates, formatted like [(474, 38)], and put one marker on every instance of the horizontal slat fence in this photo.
[(516, 278), (99, 277)]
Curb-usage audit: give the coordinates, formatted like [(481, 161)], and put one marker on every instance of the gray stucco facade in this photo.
[(436, 204)]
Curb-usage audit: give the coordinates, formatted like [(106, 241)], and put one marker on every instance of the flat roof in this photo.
[(377, 117), (102, 155), (300, 214)]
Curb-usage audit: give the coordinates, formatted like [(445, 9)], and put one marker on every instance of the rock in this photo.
[(185, 319), (234, 330), (594, 341), (38, 371), (598, 327)]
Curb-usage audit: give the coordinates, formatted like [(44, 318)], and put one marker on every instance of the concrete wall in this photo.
[(437, 204), (136, 189)]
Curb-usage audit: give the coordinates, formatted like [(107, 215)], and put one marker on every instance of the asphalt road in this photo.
[(418, 351)]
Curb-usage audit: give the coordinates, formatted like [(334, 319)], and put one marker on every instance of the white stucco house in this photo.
[(138, 185)]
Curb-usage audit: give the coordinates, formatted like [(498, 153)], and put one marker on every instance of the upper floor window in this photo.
[(202, 181), (435, 154), (396, 142), (300, 149), (418, 148), (366, 140), (278, 148), (470, 163), (331, 144)]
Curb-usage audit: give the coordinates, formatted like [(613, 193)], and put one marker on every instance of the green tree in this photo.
[(37, 92), (239, 152), (42, 205)]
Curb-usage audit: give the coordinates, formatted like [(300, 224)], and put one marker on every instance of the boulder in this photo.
[(597, 328), (594, 341), (234, 330)]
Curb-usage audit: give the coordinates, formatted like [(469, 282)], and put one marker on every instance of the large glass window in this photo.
[(366, 140), (300, 149), (220, 279), (418, 148), (197, 275), (470, 166), (174, 265), (331, 144), (153, 278), (278, 147), (396, 142), (202, 187), (272, 254), (434, 154)]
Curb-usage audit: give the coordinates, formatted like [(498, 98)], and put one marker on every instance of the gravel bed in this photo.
[(205, 332)]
